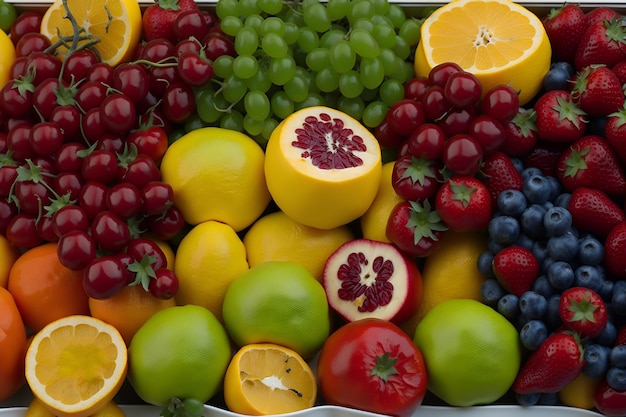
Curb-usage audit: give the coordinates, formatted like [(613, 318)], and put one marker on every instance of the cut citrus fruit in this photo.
[(266, 378), (6, 58), (322, 167), (499, 41), (115, 24), (76, 365)]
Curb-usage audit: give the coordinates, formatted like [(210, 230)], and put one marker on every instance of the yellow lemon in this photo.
[(451, 272), (374, 221), (499, 41), (37, 409), (217, 174), (579, 393), (208, 259), (76, 365), (277, 237), (8, 256), (7, 56), (322, 167), (266, 378), (115, 24)]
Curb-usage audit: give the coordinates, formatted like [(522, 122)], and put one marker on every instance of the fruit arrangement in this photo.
[(305, 203)]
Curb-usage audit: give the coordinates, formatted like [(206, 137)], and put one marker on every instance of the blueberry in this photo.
[(491, 291), (561, 275), (606, 290), (540, 250), (530, 171), (503, 229), (537, 189), (564, 65), (617, 357), (616, 378), (590, 251), (588, 276), (533, 305), (524, 241), (532, 221), (557, 78), (557, 221), (563, 247), (483, 263), (549, 398), (512, 202), (518, 163), (552, 317), (542, 286), (555, 187), (495, 247), (608, 334), (595, 125), (562, 200), (533, 333), (508, 306), (618, 300), (527, 399), (547, 263), (596, 360)]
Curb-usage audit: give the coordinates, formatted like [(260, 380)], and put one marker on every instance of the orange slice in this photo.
[(116, 24), (267, 378), (499, 41), (76, 365)]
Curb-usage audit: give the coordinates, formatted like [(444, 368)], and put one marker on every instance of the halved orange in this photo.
[(76, 365), (267, 378), (115, 24), (499, 41)]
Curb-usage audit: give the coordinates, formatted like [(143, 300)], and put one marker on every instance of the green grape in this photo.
[(248, 7), (252, 126), (308, 39), (231, 25), (260, 81), (401, 48), (371, 72), (270, 126), (384, 35), (363, 43), (233, 120), (381, 7), (327, 80), (223, 66), (342, 57), (282, 69), (293, 15), (316, 17), (397, 15), (318, 59), (206, 106), (391, 91), (224, 8), (369, 94), (311, 101), (350, 84), (297, 88), (272, 7), (194, 122), (292, 32), (352, 106), (374, 113), (274, 45), (254, 21), (234, 89), (246, 41), (410, 31), (281, 105), (273, 24), (332, 98), (364, 24), (390, 61), (245, 66), (257, 105), (337, 9), (360, 9), (331, 37)]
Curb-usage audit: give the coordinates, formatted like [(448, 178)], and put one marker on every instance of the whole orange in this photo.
[(12, 346)]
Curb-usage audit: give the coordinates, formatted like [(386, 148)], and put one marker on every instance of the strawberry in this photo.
[(415, 228), (556, 363), (520, 134), (559, 119), (614, 250), (620, 71), (415, 178), (615, 132), (591, 162), (565, 27), (604, 42), (464, 204), (498, 173), (597, 91), (594, 211), (158, 19), (545, 156), (583, 311), (599, 14), (516, 268)]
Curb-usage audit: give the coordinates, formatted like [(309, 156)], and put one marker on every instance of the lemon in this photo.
[(209, 257), (217, 174), (472, 352), (8, 256), (7, 56), (115, 24), (580, 392), (374, 221), (322, 167), (277, 237), (499, 41)]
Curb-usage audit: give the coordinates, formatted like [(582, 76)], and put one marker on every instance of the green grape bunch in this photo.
[(352, 55)]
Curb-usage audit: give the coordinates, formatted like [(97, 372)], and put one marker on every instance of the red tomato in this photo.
[(372, 365)]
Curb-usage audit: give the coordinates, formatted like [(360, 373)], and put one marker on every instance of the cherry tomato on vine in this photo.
[(151, 141)]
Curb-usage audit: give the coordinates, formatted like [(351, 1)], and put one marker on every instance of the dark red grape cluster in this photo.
[(80, 146)]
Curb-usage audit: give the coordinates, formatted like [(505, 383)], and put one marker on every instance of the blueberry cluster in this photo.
[(537, 218)]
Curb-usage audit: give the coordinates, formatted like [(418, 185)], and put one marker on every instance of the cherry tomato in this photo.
[(104, 277), (78, 65), (26, 22), (118, 113), (462, 154), (76, 249), (140, 247), (151, 141), (43, 65), (164, 284), (194, 69), (69, 218), (110, 231), (124, 199)]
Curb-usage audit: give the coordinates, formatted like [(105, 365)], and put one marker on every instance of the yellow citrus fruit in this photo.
[(110, 410), (277, 237), (76, 365), (499, 41), (128, 310), (7, 56), (451, 272), (8, 256), (267, 378), (580, 392), (471, 351), (374, 221), (37, 409), (116, 24), (209, 257), (277, 302), (180, 352), (217, 174), (322, 167)]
